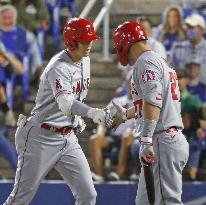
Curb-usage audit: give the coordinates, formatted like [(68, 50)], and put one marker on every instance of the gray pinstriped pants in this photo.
[(39, 150), (171, 155)]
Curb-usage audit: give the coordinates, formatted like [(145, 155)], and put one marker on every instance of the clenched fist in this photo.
[(146, 154)]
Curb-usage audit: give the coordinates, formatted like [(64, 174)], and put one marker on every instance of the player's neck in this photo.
[(136, 51), (75, 58)]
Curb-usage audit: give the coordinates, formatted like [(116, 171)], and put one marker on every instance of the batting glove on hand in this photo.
[(80, 127), (146, 154), (120, 116), (100, 116)]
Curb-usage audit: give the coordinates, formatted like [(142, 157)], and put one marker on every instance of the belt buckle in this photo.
[(64, 130), (171, 129), (53, 129)]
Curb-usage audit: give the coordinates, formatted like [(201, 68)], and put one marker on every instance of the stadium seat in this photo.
[(54, 12)]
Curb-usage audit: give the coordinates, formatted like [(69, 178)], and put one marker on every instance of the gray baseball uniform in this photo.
[(155, 82), (39, 150)]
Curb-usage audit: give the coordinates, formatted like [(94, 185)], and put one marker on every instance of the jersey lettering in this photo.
[(58, 85), (86, 83), (173, 81), (133, 90), (77, 88), (138, 104), (148, 75)]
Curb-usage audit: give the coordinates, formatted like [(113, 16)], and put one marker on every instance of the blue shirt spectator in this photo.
[(171, 30), (11, 40), (169, 39), (199, 90), (194, 45), (154, 44), (17, 39), (8, 151), (194, 86)]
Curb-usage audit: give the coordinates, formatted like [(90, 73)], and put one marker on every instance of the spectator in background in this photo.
[(171, 29), (195, 130), (125, 75), (106, 143), (194, 45), (32, 14), (19, 41), (190, 104), (155, 45), (9, 118), (7, 62), (194, 86), (129, 147), (8, 151)]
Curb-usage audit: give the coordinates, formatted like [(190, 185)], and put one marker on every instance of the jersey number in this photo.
[(138, 108), (173, 81)]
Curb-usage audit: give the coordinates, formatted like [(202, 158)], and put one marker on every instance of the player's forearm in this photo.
[(68, 105), (79, 108), (151, 115), (151, 112), (15, 64), (130, 113)]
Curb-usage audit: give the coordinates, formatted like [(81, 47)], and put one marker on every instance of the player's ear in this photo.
[(73, 45), (76, 44)]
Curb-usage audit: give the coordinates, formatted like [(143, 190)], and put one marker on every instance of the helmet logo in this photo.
[(89, 30)]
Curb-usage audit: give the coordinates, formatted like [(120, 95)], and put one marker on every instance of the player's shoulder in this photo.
[(149, 56), (150, 59), (60, 59), (58, 62)]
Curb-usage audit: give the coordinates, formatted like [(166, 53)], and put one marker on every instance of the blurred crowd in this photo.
[(179, 39)]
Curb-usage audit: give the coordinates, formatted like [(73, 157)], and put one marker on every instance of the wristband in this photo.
[(148, 128), (146, 140)]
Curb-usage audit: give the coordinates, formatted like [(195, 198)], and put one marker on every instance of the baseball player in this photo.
[(156, 107), (47, 138)]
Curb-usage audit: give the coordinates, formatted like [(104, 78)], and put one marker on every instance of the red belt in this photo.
[(171, 129), (63, 130)]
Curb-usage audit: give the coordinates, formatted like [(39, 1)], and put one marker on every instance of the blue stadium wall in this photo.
[(123, 193)]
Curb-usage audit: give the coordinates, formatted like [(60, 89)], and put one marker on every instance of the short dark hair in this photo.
[(143, 19), (190, 64)]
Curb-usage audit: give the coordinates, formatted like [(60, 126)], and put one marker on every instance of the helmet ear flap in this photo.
[(76, 44), (72, 45)]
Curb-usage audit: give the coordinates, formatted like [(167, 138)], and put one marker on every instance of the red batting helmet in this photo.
[(123, 37), (78, 29)]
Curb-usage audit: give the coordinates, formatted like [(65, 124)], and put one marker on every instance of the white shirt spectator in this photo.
[(157, 46)]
